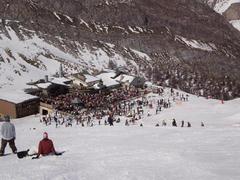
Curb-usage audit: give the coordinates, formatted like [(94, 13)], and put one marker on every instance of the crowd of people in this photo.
[(100, 101), (112, 107)]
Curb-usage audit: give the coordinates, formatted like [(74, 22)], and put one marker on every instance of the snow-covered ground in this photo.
[(135, 152)]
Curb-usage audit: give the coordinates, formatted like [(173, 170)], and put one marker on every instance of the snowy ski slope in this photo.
[(134, 152)]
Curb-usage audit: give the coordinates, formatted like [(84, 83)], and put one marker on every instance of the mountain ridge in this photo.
[(177, 37)]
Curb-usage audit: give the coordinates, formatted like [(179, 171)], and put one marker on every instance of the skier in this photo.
[(158, 109), (202, 124), (182, 124), (172, 92), (174, 123), (105, 122), (56, 121), (118, 120), (46, 147), (110, 121), (126, 123), (148, 114), (88, 120), (8, 135), (69, 122), (164, 123), (189, 124)]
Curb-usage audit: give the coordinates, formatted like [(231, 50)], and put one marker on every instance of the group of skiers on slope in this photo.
[(174, 123), (45, 147)]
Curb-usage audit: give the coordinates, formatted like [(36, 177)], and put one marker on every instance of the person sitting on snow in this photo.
[(164, 123), (46, 147)]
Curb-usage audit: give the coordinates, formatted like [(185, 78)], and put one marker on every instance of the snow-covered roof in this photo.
[(90, 78), (95, 86), (60, 81), (149, 84), (16, 96), (110, 74), (107, 79), (125, 78), (44, 85)]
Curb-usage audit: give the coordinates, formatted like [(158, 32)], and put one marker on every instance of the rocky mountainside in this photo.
[(179, 43)]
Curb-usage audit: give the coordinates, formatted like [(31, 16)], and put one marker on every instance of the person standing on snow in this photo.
[(174, 123), (110, 120), (8, 135), (182, 124)]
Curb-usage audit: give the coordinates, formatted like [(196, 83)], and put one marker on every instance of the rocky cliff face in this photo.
[(233, 12), (175, 40)]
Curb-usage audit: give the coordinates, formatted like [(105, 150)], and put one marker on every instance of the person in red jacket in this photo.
[(46, 147)]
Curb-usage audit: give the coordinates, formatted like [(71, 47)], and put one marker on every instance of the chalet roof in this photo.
[(44, 85), (123, 78), (16, 97), (88, 78), (61, 81), (107, 79)]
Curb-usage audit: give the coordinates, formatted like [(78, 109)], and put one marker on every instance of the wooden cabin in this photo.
[(18, 105)]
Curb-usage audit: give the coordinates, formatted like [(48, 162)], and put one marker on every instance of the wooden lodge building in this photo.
[(18, 104)]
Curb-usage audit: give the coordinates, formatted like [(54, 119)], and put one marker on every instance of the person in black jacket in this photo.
[(174, 123), (182, 124), (110, 120)]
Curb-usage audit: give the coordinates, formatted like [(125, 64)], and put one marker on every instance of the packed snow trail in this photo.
[(142, 153)]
